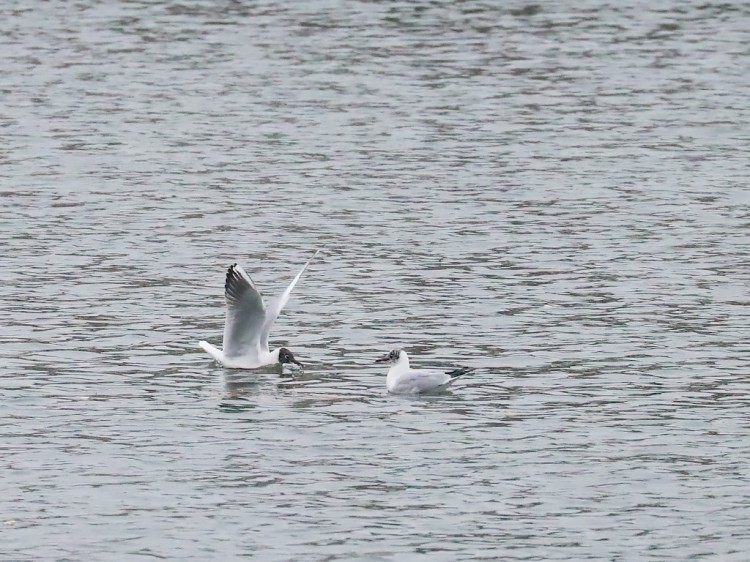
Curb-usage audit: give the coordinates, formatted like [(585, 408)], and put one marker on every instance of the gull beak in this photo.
[(383, 359), (297, 362)]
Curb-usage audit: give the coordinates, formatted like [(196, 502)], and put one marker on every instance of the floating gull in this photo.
[(402, 379)]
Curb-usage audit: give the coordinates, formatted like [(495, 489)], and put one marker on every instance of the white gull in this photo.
[(248, 323), (402, 379)]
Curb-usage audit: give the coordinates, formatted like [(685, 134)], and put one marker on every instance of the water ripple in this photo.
[(553, 194)]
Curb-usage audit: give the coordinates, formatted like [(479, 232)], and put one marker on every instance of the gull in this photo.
[(402, 379), (248, 323)]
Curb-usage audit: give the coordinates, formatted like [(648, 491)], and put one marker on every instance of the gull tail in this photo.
[(454, 374), (212, 351)]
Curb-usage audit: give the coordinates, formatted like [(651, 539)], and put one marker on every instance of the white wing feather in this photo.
[(277, 305), (246, 316)]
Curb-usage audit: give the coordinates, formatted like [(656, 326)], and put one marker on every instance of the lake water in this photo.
[(554, 194)]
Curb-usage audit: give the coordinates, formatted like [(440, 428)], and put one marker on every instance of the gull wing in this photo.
[(246, 315), (277, 305), (420, 381), (426, 381)]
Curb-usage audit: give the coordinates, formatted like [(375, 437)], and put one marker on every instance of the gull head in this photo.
[(391, 357), (285, 356)]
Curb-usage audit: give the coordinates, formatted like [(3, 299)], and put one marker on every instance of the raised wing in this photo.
[(277, 305), (246, 315)]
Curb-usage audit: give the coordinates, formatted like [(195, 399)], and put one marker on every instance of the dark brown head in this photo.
[(285, 356)]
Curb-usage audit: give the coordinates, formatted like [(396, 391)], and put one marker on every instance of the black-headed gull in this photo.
[(248, 323), (402, 379)]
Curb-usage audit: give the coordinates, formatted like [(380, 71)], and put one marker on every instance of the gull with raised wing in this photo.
[(402, 379), (248, 323)]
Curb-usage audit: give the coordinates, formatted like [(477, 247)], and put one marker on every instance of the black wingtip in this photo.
[(460, 372), (232, 282)]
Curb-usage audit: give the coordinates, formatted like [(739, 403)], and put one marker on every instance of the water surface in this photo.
[(555, 195)]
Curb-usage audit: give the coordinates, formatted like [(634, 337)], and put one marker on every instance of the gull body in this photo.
[(402, 379), (248, 323)]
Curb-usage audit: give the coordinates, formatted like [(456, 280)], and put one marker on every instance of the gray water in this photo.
[(553, 194)]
